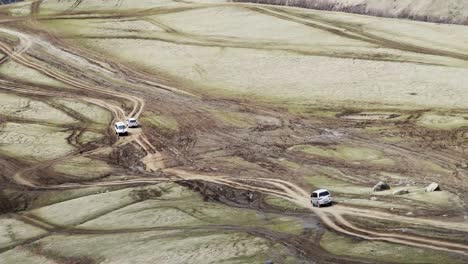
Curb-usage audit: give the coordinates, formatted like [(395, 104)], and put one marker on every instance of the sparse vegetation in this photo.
[(382, 251), (162, 122), (244, 110), (346, 153)]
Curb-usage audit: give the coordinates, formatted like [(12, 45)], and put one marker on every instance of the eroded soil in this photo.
[(210, 177)]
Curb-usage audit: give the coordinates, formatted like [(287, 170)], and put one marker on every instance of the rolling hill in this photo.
[(438, 11)]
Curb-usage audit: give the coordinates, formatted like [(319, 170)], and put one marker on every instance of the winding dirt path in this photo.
[(333, 217)]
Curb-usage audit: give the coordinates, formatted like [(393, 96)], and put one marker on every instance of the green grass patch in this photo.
[(307, 110), (433, 167), (442, 199), (347, 153), (90, 136), (83, 168), (377, 128), (162, 122), (395, 139), (17, 71), (48, 197), (336, 186), (280, 202), (289, 164), (382, 251), (233, 118), (179, 206), (436, 121), (439, 199), (33, 142)]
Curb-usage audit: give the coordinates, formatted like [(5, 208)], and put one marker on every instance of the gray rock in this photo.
[(401, 192), (373, 198), (381, 186), (433, 187)]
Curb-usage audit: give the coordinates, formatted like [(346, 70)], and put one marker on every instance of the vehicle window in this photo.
[(314, 195), (121, 127), (324, 194)]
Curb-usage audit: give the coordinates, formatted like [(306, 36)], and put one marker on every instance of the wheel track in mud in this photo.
[(279, 188), (340, 29), (333, 27), (138, 103), (349, 31), (116, 111), (290, 192)]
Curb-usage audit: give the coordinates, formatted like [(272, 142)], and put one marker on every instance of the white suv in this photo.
[(120, 128), (132, 122), (321, 197)]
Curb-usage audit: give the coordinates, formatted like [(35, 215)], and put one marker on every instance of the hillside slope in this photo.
[(439, 11)]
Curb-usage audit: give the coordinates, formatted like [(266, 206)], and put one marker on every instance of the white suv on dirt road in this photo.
[(120, 128), (132, 122), (321, 197)]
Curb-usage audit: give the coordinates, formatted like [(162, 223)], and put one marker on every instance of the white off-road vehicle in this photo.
[(132, 122), (320, 197), (120, 128)]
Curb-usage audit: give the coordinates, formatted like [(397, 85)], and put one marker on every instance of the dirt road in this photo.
[(126, 92)]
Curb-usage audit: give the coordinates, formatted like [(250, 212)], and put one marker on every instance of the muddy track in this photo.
[(107, 14), (26, 54), (296, 195), (226, 42), (339, 29), (138, 104), (35, 8), (353, 32), (301, 245)]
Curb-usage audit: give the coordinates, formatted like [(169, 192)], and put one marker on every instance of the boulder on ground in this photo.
[(401, 192), (381, 186), (433, 187)]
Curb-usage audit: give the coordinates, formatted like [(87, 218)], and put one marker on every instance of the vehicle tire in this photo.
[(313, 205)]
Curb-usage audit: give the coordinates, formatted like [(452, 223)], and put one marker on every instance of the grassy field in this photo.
[(244, 110), (174, 223), (318, 58), (383, 251)]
